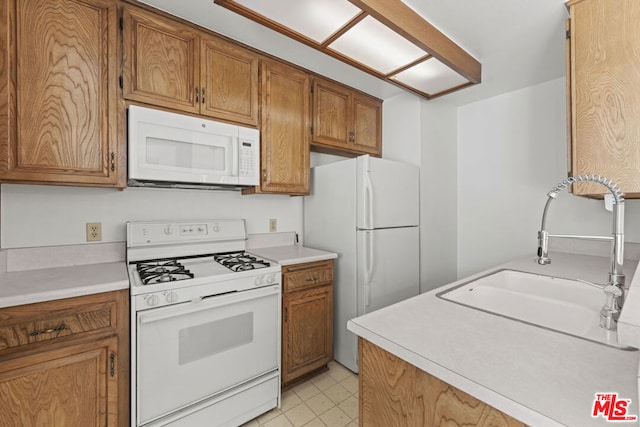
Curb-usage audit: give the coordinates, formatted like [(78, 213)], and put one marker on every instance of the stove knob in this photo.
[(171, 297), (168, 230), (271, 278), (258, 280), (152, 300), (216, 228)]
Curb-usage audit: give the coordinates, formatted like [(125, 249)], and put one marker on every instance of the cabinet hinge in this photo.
[(311, 88), (113, 161), (311, 130), (121, 23), (121, 81), (567, 34), (112, 365), (286, 314)]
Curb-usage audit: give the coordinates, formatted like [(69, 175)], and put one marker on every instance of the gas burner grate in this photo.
[(240, 261), (161, 271)]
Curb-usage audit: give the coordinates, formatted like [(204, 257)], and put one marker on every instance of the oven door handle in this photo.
[(205, 303)]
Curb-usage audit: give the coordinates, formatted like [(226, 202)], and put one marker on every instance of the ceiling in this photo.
[(519, 42)]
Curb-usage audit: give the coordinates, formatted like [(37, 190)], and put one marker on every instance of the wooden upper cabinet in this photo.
[(173, 65), (284, 130), (367, 124), (59, 86), (604, 101), (229, 81), (345, 121), (161, 61)]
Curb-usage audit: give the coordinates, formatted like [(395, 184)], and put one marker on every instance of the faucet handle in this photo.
[(613, 291), (610, 313)]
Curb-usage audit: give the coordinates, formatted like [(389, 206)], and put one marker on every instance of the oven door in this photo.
[(194, 351)]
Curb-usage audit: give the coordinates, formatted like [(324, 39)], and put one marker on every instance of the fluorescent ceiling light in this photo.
[(316, 19), (385, 38), (430, 76), (376, 46)]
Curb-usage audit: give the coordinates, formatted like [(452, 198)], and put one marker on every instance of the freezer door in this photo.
[(388, 193), (388, 267)]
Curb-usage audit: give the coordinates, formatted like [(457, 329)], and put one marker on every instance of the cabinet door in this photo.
[(396, 393), (307, 331), (229, 82), (331, 114), (605, 102), (161, 61), (285, 129), (367, 125), (70, 386), (61, 93)]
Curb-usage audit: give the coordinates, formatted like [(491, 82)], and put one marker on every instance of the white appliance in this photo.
[(205, 326), (175, 150), (367, 211)]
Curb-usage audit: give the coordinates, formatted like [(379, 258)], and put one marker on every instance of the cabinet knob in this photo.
[(352, 136)]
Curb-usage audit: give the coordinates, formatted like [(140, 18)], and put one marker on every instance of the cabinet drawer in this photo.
[(309, 275), (18, 328)]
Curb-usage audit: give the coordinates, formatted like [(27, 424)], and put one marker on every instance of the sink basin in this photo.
[(562, 305)]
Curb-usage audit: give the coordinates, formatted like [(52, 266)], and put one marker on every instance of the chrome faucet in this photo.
[(615, 289)]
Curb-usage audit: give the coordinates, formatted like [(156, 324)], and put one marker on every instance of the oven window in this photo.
[(198, 342), (187, 155)]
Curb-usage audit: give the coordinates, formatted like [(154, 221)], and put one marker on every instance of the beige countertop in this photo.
[(538, 376), (30, 275), (292, 254), (31, 286)]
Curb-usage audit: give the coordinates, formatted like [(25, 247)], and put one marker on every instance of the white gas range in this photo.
[(205, 325)]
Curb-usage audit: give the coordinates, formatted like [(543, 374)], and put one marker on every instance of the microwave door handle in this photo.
[(235, 148)]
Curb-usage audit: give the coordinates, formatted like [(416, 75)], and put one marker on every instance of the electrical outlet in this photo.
[(94, 231), (273, 225)]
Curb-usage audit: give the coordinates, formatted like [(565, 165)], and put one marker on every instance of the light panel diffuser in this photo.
[(316, 19), (430, 77), (376, 46)]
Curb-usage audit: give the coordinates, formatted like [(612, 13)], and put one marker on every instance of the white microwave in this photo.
[(175, 150)]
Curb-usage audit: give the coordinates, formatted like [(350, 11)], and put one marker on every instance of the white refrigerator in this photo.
[(366, 210)]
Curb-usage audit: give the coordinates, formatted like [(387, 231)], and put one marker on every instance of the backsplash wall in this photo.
[(35, 215)]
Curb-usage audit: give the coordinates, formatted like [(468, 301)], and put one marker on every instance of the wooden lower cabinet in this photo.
[(396, 393), (65, 362), (307, 319)]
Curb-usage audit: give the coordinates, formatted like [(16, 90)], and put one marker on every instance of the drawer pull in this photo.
[(313, 279), (48, 331)]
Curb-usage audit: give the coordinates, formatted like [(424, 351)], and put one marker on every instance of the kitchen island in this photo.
[(537, 376)]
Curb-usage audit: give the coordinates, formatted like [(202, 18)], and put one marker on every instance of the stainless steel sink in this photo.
[(570, 307)]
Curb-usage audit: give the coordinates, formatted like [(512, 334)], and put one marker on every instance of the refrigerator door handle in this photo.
[(369, 269), (368, 189)]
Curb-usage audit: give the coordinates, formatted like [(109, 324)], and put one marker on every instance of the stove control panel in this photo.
[(266, 279), (161, 233), (158, 299), (193, 229)]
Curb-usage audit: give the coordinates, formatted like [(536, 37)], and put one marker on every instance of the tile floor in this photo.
[(326, 400)]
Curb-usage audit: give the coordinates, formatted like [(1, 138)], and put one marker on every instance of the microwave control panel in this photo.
[(247, 158)]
